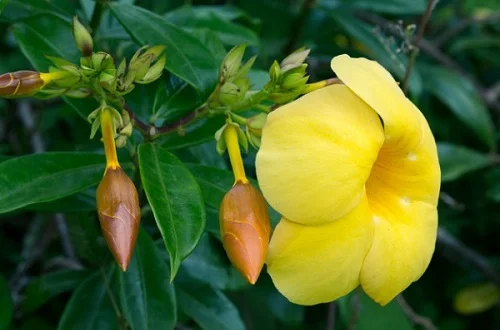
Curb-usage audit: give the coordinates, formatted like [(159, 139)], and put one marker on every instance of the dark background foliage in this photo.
[(55, 270)]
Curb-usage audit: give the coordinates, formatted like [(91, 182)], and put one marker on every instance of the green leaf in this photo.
[(176, 201), (197, 133), (2, 5), (208, 263), (147, 297), (459, 94), (412, 7), (382, 49), (195, 18), (90, 307), (81, 202), (6, 307), (46, 35), (207, 306), (456, 161), (187, 57), (214, 183), (373, 316), (46, 177), (50, 285)]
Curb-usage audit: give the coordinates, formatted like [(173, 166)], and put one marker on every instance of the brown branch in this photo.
[(152, 132), (331, 315), (447, 240), (414, 316), (431, 4)]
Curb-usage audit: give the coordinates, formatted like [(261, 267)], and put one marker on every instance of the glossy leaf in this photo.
[(214, 183), (187, 57), (198, 133), (459, 94), (456, 161), (147, 297), (46, 177), (50, 285), (388, 6), (208, 263), (207, 306), (46, 35), (195, 18), (6, 306), (3, 3), (373, 316), (176, 201), (90, 307)]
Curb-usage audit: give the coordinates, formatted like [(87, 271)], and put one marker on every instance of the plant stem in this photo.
[(96, 16), (414, 52), (307, 6)]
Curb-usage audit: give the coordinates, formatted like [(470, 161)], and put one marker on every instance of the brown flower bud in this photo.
[(119, 214), (245, 229), (20, 83)]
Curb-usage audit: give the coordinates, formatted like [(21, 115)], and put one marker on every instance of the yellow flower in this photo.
[(353, 170)]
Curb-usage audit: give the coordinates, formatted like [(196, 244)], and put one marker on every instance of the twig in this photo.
[(431, 4), (355, 306), (413, 316), (451, 202), (468, 255), (307, 6), (152, 132), (330, 320)]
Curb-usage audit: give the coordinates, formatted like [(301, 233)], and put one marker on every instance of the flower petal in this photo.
[(316, 264), (317, 153), (403, 244), (408, 160)]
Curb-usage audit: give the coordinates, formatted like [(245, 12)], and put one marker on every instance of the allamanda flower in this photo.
[(353, 170)]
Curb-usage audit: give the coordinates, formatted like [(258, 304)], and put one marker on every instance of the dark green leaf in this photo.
[(197, 133), (459, 94), (46, 35), (81, 202), (2, 5), (214, 183), (187, 57), (388, 6), (373, 316), (46, 177), (208, 263), (202, 18), (90, 307), (85, 233), (49, 285), (209, 307), (381, 48), (456, 161), (176, 201), (147, 297), (6, 307), (17, 10)]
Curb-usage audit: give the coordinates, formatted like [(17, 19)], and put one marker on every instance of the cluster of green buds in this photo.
[(289, 77), (233, 77)]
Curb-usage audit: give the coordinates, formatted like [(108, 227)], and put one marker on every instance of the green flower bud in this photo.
[(294, 60), (155, 71), (220, 145), (82, 37), (295, 81), (121, 141), (79, 93), (231, 63), (275, 72), (245, 69), (230, 93)]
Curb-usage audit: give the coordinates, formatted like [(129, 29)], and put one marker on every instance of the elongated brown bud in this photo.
[(119, 214), (20, 83), (245, 229)]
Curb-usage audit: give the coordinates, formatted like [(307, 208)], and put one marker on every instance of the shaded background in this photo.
[(48, 251)]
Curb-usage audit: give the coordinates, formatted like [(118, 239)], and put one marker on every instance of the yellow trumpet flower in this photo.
[(353, 170)]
